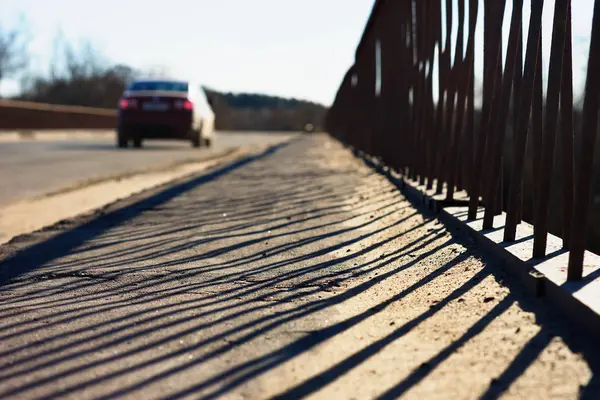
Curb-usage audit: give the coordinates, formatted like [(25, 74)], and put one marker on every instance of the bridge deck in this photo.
[(299, 272)]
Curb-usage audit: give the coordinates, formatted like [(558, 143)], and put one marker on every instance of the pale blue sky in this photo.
[(282, 47), (288, 48)]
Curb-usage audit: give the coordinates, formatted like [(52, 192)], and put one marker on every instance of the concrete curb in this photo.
[(578, 301), (54, 134)]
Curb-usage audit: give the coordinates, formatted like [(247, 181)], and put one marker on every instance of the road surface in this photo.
[(299, 273), (31, 168)]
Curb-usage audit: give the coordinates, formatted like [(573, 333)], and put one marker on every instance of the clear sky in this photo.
[(289, 48), (297, 48)]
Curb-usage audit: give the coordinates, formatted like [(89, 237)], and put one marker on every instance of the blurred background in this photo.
[(270, 65)]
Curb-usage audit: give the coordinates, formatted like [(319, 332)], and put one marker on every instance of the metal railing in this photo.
[(409, 102)]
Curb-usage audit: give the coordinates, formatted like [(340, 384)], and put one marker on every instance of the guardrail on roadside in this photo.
[(21, 115), (387, 108)]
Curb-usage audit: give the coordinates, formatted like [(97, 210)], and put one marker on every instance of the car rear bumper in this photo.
[(155, 127), (156, 131)]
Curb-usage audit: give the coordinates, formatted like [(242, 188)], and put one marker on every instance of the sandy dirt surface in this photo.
[(300, 273)]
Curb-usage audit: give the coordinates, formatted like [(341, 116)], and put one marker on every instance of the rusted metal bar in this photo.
[(502, 114), (566, 118), (439, 115), (492, 76), (494, 195), (415, 90), (537, 125), (428, 51), (436, 31), (550, 122), (433, 36), (534, 43), (387, 94), (461, 76), (406, 79), (517, 89), (586, 157), (450, 99), (447, 101), (470, 124)]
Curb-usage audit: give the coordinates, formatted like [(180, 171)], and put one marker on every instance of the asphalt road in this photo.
[(31, 168)]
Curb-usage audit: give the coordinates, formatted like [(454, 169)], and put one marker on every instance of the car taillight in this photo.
[(184, 104), (127, 103)]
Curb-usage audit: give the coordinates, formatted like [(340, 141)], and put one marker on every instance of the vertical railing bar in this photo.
[(406, 80), (537, 125), (470, 128), (493, 200), (419, 90), (461, 76), (550, 121), (448, 99), (517, 90), (502, 114), (514, 203), (390, 85), (583, 187), (566, 118), (431, 137), (489, 188), (429, 49), (488, 84), (439, 117), (382, 144), (422, 39), (436, 41), (518, 81), (413, 88), (451, 87)]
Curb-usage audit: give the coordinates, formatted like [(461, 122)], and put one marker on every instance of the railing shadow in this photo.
[(42, 253)]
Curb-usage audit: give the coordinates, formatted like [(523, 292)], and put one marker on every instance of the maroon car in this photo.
[(164, 109)]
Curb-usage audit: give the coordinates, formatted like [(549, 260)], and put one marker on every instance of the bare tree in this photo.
[(13, 52), (78, 76)]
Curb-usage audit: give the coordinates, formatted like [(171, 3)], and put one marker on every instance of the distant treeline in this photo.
[(249, 111), (259, 101)]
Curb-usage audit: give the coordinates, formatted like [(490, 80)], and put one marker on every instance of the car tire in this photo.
[(196, 139), (122, 141), (137, 143)]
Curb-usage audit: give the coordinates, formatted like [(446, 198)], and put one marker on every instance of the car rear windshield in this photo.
[(163, 86)]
